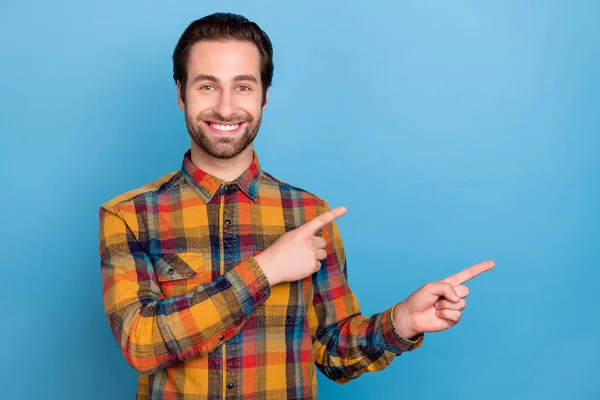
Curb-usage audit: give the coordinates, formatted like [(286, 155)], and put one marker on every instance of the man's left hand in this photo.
[(436, 306)]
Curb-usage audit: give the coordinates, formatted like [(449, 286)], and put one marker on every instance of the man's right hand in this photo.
[(298, 253)]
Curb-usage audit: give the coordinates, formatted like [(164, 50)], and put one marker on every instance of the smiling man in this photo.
[(221, 281)]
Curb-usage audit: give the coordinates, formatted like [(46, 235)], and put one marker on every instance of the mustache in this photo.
[(216, 117)]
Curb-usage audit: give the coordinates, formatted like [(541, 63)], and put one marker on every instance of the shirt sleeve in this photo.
[(153, 331), (347, 344)]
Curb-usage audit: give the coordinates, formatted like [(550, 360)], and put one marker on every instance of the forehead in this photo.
[(224, 59)]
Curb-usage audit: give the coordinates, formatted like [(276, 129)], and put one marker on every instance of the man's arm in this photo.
[(153, 331), (347, 344)]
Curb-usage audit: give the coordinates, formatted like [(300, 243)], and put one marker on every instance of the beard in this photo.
[(222, 147)]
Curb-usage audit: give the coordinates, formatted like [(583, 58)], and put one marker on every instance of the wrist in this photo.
[(402, 323), (267, 271)]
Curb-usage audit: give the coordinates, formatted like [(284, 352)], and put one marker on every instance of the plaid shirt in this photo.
[(195, 316)]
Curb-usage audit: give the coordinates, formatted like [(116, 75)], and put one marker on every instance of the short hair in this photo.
[(223, 26)]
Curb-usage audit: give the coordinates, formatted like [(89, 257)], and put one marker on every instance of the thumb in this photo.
[(443, 289)]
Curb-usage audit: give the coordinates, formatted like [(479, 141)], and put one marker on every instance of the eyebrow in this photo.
[(237, 78), (247, 77)]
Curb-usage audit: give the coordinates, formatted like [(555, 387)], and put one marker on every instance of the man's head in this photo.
[(223, 68)]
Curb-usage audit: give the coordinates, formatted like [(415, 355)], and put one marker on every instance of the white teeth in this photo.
[(225, 127)]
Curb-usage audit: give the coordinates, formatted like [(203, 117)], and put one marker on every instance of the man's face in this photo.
[(223, 97)]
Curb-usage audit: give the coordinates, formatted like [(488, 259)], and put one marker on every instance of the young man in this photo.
[(223, 281)]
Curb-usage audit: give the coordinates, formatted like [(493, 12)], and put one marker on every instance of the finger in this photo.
[(469, 273), (320, 221), (319, 242), (449, 315), (317, 265), (321, 254), (442, 289), (462, 290), (448, 305)]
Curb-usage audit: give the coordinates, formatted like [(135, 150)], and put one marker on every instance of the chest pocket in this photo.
[(179, 273), (285, 305)]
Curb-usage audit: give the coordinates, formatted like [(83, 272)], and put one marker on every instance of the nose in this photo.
[(226, 104)]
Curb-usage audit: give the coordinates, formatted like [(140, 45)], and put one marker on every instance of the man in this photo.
[(223, 281)]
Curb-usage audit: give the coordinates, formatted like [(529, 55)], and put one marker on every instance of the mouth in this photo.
[(224, 129)]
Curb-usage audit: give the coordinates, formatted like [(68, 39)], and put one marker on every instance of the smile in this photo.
[(224, 128)]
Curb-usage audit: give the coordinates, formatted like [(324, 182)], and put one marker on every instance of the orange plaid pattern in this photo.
[(195, 316)]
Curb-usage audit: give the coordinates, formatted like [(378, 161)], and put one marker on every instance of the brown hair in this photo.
[(223, 26)]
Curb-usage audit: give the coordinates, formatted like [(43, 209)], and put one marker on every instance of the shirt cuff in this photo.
[(250, 284), (393, 342)]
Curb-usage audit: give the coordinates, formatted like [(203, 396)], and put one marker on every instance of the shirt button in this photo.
[(171, 271), (222, 337), (227, 222), (230, 386)]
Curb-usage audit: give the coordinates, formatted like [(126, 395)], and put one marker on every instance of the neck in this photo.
[(224, 169)]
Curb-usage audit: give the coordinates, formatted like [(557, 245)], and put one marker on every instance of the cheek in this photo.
[(195, 108), (252, 106)]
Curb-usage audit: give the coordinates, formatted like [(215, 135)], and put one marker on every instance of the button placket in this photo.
[(230, 247), (229, 237)]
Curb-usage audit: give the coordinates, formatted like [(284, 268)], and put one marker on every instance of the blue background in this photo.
[(454, 132)]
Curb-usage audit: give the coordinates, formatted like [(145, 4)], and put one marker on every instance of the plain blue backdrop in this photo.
[(454, 132)]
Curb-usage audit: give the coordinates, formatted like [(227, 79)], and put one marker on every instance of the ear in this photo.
[(266, 100), (180, 102)]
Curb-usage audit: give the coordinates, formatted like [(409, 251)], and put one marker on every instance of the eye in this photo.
[(243, 88), (207, 87)]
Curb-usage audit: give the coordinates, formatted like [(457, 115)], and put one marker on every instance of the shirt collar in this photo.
[(206, 185)]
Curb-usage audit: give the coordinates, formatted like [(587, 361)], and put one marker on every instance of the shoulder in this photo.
[(291, 191), (151, 189)]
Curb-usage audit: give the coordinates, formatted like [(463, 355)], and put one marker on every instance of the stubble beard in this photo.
[(222, 147)]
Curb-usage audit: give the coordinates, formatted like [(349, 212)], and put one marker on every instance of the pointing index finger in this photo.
[(320, 221), (469, 273)]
